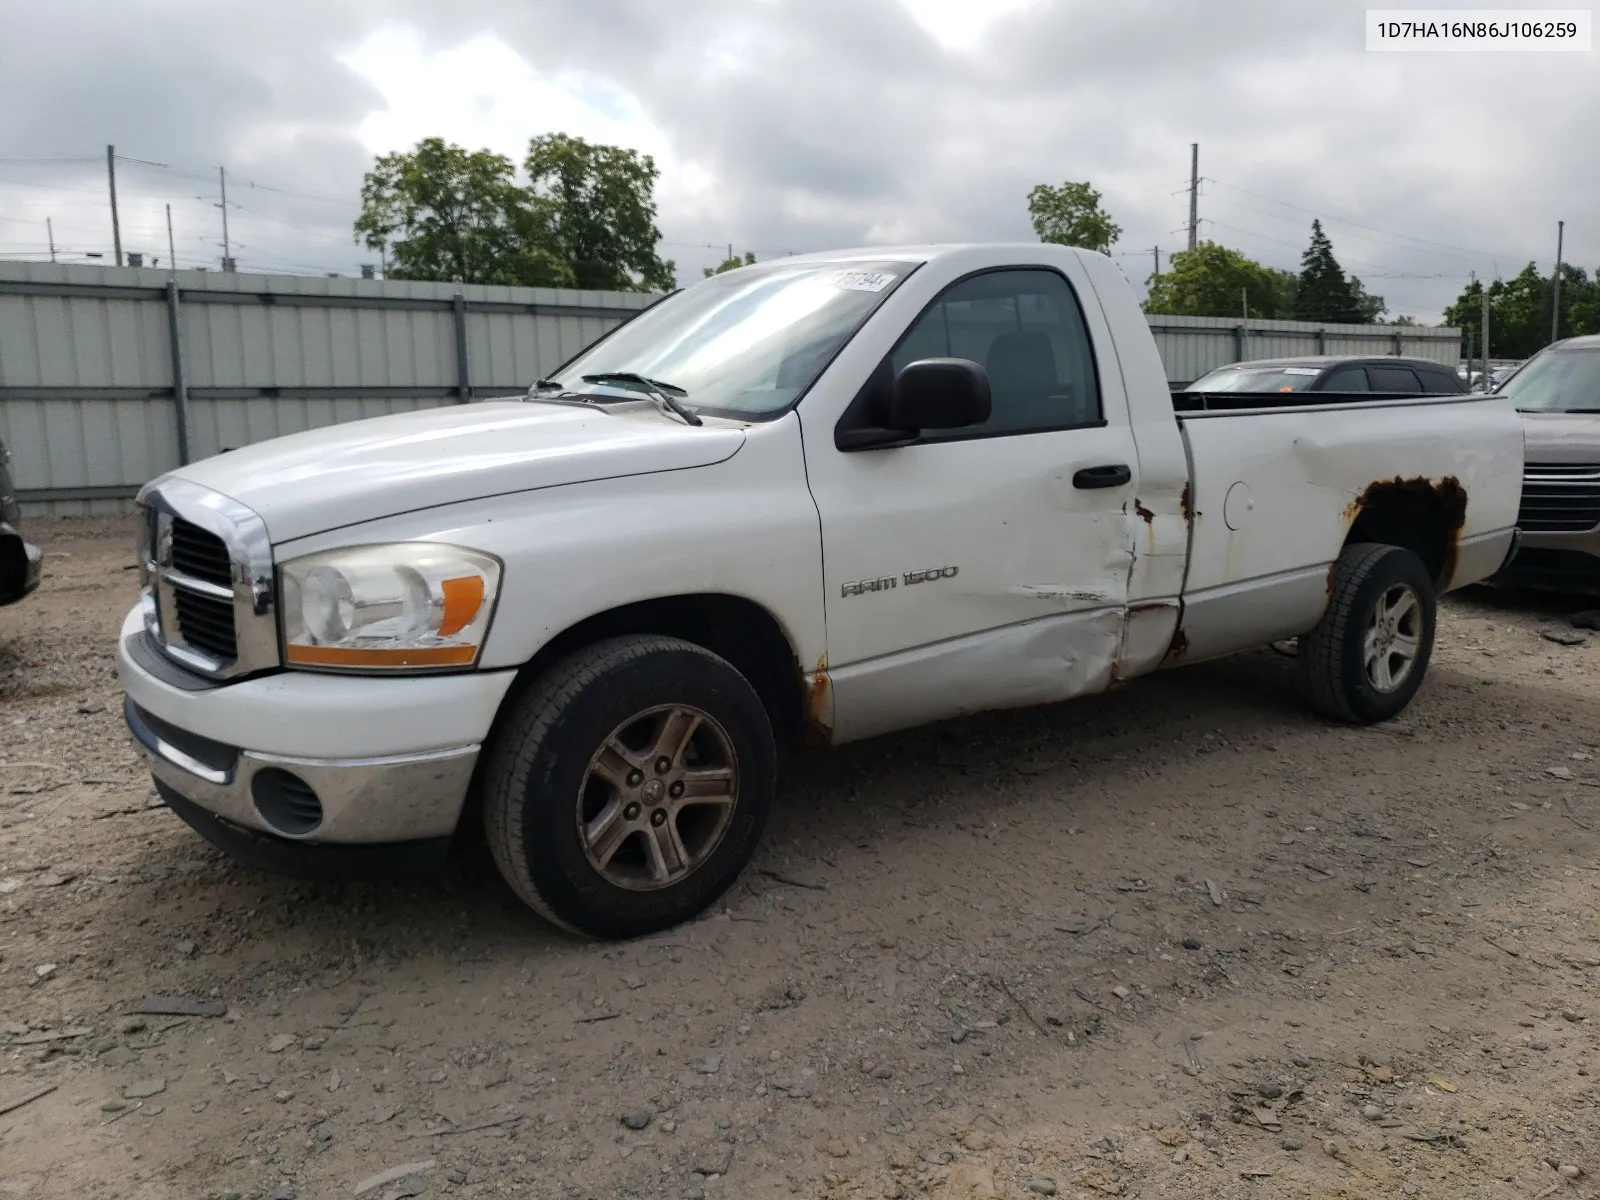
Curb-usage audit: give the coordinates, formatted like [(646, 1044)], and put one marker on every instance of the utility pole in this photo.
[(1156, 250), (1486, 339), (227, 252), (1555, 307), (111, 178), (50, 232), (1244, 302), (1194, 192), (172, 250)]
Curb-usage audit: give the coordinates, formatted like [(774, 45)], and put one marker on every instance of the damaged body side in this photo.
[(1422, 515), (1268, 525)]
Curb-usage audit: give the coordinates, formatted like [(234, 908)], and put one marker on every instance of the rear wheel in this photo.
[(1368, 655), (629, 786)]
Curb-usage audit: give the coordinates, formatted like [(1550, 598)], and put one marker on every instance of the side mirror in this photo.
[(940, 393)]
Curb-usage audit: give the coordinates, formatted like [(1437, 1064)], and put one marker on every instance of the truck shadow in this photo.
[(1087, 751)]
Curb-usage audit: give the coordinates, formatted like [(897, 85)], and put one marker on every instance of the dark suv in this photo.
[(19, 560), (1334, 373)]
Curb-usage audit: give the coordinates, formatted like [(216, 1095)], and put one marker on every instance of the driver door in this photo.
[(983, 567)]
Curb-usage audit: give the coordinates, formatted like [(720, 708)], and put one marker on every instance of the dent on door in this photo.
[(1074, 646)]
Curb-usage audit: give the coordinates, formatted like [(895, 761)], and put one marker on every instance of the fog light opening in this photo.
[(286, 802)]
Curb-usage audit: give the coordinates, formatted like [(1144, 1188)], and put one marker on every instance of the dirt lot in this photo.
[(1185, 940)]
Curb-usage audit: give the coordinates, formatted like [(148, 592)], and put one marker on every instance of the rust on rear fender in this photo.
[(1434, 512)]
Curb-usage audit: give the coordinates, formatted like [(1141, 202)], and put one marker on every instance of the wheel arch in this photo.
[(735, 628), (1421, 515)]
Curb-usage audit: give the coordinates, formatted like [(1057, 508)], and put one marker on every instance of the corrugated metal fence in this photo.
[(98, 363), (1191, 346), (111, 375)]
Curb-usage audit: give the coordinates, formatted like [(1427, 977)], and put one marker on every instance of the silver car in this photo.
[(1558, 393)]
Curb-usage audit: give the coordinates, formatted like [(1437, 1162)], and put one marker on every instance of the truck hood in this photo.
[(1554, 437), (342, 475)]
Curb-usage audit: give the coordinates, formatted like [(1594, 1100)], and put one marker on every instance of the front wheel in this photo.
[(629, 786), (1366, 658)]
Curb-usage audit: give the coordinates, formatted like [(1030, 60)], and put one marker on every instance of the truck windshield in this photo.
[(1558, 380), (1260, 379), (744, 344)]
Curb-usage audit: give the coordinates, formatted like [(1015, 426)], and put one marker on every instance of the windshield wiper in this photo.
[(545, 385), (654, 388)]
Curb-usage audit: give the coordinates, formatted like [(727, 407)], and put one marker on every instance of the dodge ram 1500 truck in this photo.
[(830, 496)]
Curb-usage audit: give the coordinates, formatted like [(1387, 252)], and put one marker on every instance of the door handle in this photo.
[(1109, 476)]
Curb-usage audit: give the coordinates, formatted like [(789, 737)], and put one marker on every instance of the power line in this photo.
[(238, 183), (1357, 224), (43, 161), (50, 187), (1354, 262)]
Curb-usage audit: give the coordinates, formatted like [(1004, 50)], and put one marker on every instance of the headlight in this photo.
[(405, 607)]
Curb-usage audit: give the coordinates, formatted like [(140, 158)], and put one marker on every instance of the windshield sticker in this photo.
[(861, 281), (1301, 371)]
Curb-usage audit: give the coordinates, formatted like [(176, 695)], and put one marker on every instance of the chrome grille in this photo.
[(206, 624), (200, 554), (207, 568), (1560, 498)]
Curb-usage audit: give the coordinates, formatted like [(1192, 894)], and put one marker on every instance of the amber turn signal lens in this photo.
[(462, 599), (343, 656)]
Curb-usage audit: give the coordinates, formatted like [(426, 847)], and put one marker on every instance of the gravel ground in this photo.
[(1183, 940)]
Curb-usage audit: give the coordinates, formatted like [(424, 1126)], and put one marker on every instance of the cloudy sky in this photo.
[(797, 125)]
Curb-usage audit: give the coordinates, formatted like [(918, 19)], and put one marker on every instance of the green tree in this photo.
[(731, 264), (444, 212), (1325, 294), (1288, 287), (1369, 309), (586, 219), (1581, 314), (1466, 313), (1520, 310), (1070, 215), (1214, 281), (601, 212)]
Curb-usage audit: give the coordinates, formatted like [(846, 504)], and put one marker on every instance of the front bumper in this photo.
[(309, 764), (21, 565)]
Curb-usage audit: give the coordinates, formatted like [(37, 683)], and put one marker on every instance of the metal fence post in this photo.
[(1240, 332), (463, 383), (1322, 340), (180, 390)]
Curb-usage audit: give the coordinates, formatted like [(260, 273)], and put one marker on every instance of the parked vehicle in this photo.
[(1558, 394), (21, 562), (829, 496), (1335, 373)]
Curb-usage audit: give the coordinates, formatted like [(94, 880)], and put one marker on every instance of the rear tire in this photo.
[(629, 786), (1366, 658)]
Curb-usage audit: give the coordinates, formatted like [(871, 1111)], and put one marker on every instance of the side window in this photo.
[(1441, 381), (1394, 379), (1026, 329), (1345, 379)]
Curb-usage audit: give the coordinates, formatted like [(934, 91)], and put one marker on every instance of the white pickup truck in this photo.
[(832, 495)]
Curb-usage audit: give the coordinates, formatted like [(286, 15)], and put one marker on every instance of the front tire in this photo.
[(1366, 658), (629, 786)]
